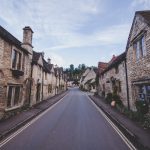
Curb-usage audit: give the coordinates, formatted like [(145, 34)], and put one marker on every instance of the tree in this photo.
[(71, 67)]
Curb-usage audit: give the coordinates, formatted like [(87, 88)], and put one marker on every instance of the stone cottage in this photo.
[(15, 69), (138, 58), (37, 75), (44, 78), (113, 78), (88, 80), (60, 79)]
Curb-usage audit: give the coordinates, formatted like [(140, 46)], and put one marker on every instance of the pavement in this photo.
[(13, 123), (139, 136), (74, 123)]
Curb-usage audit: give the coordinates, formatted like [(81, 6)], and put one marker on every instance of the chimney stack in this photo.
[(27, 39), (49, 61), (43, 54)]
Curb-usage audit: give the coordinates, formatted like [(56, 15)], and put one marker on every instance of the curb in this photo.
[(131, 136), (17, 126)]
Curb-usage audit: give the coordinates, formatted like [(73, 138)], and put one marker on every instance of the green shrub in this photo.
[(142, 107), (117, 99), (109, 98), (146, 123), (103, 93), (95, 93)]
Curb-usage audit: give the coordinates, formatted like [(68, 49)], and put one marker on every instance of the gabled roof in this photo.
[(36, 56), (50, 66), (146, 15), (46, 66), (115, 62), (102, 66), (10, 38)]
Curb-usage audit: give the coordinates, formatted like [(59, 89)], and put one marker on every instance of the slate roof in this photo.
[(115, 62), (46, 66), (11, 39), (145, 14), (36, 56)]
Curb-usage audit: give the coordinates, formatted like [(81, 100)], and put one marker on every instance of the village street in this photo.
[(74, 123)]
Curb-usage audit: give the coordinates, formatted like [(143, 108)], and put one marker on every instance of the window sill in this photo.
[(13, 108), (17, 72)]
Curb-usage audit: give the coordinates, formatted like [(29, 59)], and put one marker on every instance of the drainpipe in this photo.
[(42, 83), (127, 85), (30, 90)]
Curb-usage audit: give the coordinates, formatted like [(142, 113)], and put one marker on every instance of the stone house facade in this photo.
[(138, 58), (15, 59), (112, 77), (60, 79), (37, 76), (26, 78), (43, 78), (88, 80)]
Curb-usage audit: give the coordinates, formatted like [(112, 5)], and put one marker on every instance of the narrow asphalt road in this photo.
[(73, 124)]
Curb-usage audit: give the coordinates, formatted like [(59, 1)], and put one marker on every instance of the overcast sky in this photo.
[(73, 31)]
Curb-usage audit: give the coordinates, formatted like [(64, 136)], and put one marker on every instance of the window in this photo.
[(49, 88), (143, 46), (103, 87), (119, 86), (39, 72), (144, 93), (138, 50), (16, 60), (140, 47), (45, 76), (116, 70), (13, 97)]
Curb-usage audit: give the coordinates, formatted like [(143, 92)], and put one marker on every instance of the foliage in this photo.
[(103, 93), (96, 93), (117, 99), (109, 98), (142, 107), (146, 123), (75, 73), (76, 82), (97, 80)]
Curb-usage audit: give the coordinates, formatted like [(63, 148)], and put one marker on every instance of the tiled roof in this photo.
[(10, 38), (102, 66), (115, 62)]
